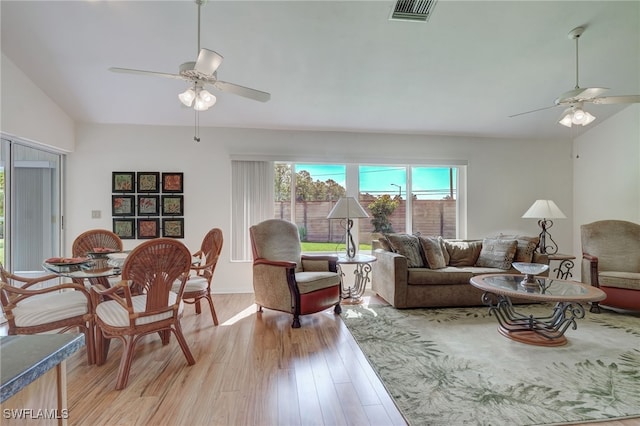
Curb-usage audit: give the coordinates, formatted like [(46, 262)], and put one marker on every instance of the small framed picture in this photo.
[(172, 205), (173, 227), (148, 228), (148, 205), (123, 182), (124, 228), (148, 182), (123, 205), (172, 182)]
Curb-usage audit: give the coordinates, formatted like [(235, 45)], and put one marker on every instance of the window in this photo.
[(317, 187), (399, 198)]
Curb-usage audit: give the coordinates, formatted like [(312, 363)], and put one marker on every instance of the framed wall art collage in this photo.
[(147, 205)]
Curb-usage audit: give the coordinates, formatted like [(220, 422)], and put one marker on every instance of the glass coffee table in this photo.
[(568, 297)]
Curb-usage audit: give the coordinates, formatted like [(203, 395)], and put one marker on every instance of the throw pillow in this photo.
[(497, 253), (463, 253), (432, 248), (525, 248), (408, 246), (384, 243)]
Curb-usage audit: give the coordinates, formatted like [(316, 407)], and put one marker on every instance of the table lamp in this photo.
[(348, 208), (545, 210)]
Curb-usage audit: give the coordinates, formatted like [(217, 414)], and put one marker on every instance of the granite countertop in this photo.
[(25, 358)]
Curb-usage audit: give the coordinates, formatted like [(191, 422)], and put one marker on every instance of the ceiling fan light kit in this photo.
[(201, 74), (576, 115), (574, 99)]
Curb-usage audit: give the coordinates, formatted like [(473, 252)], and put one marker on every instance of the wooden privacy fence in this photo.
[(430, 217)]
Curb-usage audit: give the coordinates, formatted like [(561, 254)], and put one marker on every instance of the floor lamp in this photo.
[(545, 210), (348, 208)]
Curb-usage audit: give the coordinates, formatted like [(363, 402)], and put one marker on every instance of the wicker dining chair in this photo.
[(95, 238), (32, 310), (147, 304), (91, 240), (199, 285)]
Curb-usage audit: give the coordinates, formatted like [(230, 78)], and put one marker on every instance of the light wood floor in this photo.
[(252, 369)]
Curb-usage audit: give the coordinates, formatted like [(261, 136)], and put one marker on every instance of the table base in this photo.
[(353, 294), (540, 331)]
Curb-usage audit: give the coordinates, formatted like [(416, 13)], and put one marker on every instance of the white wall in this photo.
[(502, 180), (28, 113), (606, 172)]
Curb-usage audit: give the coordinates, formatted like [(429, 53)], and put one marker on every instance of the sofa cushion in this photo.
[(448, 275), (432, 249), (463, 253), (408, 246), (497, 253)]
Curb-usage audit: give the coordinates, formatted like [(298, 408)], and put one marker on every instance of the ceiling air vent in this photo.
[(413, 10)]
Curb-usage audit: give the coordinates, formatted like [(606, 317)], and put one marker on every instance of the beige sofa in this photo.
[(404, 281)]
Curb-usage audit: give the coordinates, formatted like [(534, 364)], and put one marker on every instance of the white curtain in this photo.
[(251, 202)]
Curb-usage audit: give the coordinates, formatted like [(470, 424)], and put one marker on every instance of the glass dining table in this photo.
[(95, 271)]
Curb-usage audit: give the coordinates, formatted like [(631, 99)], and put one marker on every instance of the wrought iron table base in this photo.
[(541, 331), (563, 271), (354, 293)]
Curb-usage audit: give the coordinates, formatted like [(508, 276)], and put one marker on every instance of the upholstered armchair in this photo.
[(287, 281), (611, 261)]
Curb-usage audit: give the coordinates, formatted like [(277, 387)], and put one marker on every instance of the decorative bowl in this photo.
[(530, 270)]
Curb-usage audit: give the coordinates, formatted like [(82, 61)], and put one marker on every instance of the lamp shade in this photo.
[(544, 209), (347, 208)]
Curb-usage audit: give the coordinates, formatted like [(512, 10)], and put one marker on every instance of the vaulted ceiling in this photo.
[(341, 66)]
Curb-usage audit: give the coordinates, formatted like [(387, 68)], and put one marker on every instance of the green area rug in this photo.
[(451, 367)]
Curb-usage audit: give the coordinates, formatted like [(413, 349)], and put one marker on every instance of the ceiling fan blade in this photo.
[(580, 94), (153, 73), (629, 99), (242, 91), (208, 61), (534, 110)]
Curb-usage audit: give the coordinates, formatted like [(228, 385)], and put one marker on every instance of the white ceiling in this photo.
[(330, 65)]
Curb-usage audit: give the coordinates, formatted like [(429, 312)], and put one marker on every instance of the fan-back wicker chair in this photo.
[(95, 238), (284, 279), (32, 310), (91, 240), (199, 285), (147, 306)]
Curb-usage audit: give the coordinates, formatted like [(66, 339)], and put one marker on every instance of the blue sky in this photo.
[(428, 182)]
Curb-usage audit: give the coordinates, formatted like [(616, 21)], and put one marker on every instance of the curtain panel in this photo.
[(251, 202)]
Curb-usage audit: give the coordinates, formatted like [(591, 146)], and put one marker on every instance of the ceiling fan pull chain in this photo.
[(196, 125)]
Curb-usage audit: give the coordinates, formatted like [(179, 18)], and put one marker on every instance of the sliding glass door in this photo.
[(30, 181)]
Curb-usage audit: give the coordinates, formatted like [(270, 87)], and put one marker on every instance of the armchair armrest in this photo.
[(22, 293), (280, 263), (319, 262), (98, 292), (590, 261)]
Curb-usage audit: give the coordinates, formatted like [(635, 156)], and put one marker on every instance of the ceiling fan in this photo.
[(575, 99), (201, 74)]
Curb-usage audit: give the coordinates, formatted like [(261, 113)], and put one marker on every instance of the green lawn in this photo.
[(331, 247)]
